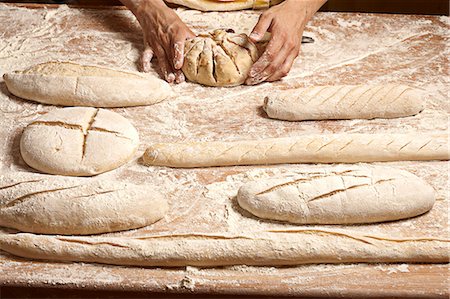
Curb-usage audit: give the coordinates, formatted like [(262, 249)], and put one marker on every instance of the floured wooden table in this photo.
[(348, 49)]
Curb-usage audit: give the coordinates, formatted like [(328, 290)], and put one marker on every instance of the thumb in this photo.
[(261, 27)]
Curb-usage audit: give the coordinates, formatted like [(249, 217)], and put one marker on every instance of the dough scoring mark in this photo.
[(21, 199)]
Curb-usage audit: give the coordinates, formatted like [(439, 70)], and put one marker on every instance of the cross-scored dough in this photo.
[(78, 141), (74, 206), (71, 84), (219, 58), (344, 102), (359, 195), (314, 148)]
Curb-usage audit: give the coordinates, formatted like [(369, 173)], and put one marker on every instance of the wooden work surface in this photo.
[(348, 49)]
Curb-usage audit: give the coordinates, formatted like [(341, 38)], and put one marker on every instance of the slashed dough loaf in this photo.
[(359, 195), (219, 58), (74, 206), (261, 248), (225, 5), (70, 84), (311, 148), (344, 102), (78, 141)]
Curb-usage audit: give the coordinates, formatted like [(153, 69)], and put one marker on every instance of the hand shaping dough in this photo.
[(273, 248), (78, 141), (362, 195), (76, 206), (344, 102), (331, 148), (70, 84), (225, 5), (219, 58)]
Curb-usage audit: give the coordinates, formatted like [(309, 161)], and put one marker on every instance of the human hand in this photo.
[(286, 23), (164, 37)]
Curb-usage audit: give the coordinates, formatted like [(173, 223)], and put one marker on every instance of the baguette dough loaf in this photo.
[(74, 206), (225, 5), (362, 195), (344, 102), (273, 248), (70, 84), (219, 58), (327, 148), (78, 141)]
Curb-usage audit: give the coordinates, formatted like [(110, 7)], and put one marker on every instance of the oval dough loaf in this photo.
[(225, 5), (344, 102), (360, 195), (219, 58), (70, 84), (78, 141), (56, 205)]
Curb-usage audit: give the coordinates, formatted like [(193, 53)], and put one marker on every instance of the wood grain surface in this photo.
[(348, 49)]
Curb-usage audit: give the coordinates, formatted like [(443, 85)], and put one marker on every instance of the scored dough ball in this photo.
[(78, 141), (219, 58)]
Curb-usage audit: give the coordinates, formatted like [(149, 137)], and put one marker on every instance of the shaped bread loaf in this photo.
[(258, 248), (78, 141), (76, 206), (344, 102), (359, 195), (225, 5), (313, 148), (219, 58), (71, 84)]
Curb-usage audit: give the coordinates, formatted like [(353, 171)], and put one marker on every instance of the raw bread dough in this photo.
[(70, 84), (78, 141), (344, 102), (326, 148), (265, 248), (225, 5), (57, 205), (360, 195), (219, 58)]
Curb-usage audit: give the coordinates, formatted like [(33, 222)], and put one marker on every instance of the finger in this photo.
[(178, 57), (164, 65), (268, 66), (179, 76), (264, 22), (283, 71), (146, 59)]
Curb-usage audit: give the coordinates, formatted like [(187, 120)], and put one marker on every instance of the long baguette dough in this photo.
[(360, 195), (78, 141), (225, 5), (70, 84), (274, 248), (57, 205), (344, 102), (331, 148)]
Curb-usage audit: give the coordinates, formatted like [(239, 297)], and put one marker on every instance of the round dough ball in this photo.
[(78, 141), (219, 58)]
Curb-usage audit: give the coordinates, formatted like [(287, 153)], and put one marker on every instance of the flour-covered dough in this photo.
[(71, 84), (76, 206), (314, 148), (344, 102), (219, 58), (78, 141), (260, 248), (225, 5), (358, 195)]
